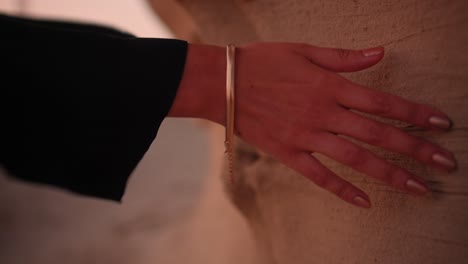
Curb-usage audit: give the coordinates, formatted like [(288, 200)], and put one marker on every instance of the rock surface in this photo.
[(291, 219)]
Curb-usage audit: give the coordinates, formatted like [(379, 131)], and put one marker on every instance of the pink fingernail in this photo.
[(440, 122), (372, 52), (416, 187), (443, 161), (361, 202)]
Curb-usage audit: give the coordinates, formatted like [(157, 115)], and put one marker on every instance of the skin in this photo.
[(291, 103)]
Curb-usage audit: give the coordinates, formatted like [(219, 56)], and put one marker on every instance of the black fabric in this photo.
[(81, 104)]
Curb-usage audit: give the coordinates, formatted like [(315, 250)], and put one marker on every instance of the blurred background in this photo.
[(174, 205)]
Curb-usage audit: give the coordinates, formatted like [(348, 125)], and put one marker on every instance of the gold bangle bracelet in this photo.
[(230, 107)]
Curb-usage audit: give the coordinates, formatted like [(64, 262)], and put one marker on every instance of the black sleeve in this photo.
[(81, 104)]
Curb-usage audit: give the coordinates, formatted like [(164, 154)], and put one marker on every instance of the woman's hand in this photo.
[(290, 102)]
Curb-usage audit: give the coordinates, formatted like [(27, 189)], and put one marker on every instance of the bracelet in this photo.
[(230, 107)]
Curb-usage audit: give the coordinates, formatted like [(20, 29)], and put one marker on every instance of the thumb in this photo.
[(343, 60)]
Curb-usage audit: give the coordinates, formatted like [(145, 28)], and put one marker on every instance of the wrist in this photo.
[(201, 93)]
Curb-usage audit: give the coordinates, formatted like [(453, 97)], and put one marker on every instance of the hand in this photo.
[(290, 103)]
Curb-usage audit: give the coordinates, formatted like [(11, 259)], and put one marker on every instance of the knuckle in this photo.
[(414, 114), (290, 134), (297, 135), (324, 78), (421, 149), (381, 104), (356, 157), (376, 133), (416, 146), (343, 54), (343, 191), (303, 47), (339, 187), (320, 180)]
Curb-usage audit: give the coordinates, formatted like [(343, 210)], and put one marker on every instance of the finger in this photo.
[(391, 138), (342, 60), (310, 167), (392, 106), (368, 163)]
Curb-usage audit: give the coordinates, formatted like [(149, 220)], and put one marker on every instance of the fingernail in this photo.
[(372, 52), (361, 202), (443, 161), (440, 122), (416, 187)]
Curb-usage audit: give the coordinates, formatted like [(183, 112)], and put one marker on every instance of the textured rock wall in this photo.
[(295, 222)]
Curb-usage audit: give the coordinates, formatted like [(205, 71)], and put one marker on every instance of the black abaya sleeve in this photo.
[(81, 104)]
